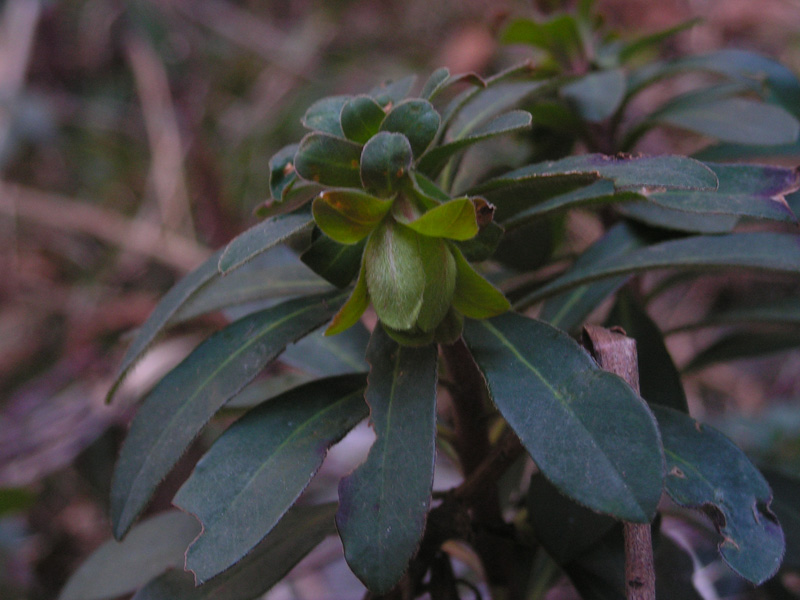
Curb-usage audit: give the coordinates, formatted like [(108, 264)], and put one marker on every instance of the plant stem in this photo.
[(615, 352)]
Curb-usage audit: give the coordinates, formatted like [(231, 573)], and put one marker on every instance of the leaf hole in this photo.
[(676, 472)]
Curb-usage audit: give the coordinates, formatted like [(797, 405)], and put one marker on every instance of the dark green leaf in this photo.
[(705, 470), (261, 390), (776, 252), (348, 216), (646, 42), (299, 532), (118, 568), (386, 160), (417, 120), (437, 80), (786, 505), (260, 238), (659, 380), (454, 220), (586, 429), (384, 504), (598, 95), (560, 36), (281, 170), (329, 160), (677, 220), (737, 346), (483, 245), (392, 92), (338, 263), (474, 297), (323, 115), (785, 311), (260, 465), (181, 404), (361, 118), (599, 192), (176, 297), (355, 306), (330, 355)]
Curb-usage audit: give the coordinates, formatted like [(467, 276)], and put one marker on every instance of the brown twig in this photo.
[(615, 352)]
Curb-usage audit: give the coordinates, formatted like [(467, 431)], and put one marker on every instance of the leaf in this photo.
[(281, 171), (329, 160), (785, 311), (320, 355), (776, 252), (417, 120), (659, 380), (586, 429), (392, 92), (644, 43), (337, 263), (323, 115), (482, 246), (454, 220), (383, 504), (736, 120), (180, 405), (598, 95), (434, 160), (440, 282), (361, 118), (176, 297), (386, 160), (395, 274), (261, 238), (355, 306), (474, 297), (260, 465), (677, 220), (560, 36), (705, 470), (437, 80), (119, 568), (785, 504), (740, 345), (299, 532), (348, 216)]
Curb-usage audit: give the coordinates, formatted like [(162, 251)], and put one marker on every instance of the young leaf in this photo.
[(383, 504), (454, 220), (172, 301), (705, 470), (181, 404), (260, 238), (347, 216), (417, 120), (598, 95), (765, 251), (338, 263), (119, 568), (474, 297), (328, 160), (355, 306), (385, 160), (586, 430), (323, 115), (440, 282), (299, 532), (234, 489), (361, 118)]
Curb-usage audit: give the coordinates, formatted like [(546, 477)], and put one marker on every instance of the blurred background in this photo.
[(135, 139)]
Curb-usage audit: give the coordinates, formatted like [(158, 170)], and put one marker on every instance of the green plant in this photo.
[(397, 195)]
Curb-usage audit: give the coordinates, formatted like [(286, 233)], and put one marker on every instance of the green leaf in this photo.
[(164, 311), (180, 405), (328, 160), (677, 220), (395, 274), (417, 120), (337, 263), (474, 297), (586, 429), (454, 220), (437, 80), (323, 355), (440, 282), (119, 568), (385, 161), (361, 118), (348, 216), (786, 505), (598, 95), (260, 238), (659, 380), (764, 251), (740, 345), (355, 306), (705, 470), (383, 504), (436, 158), (299, 532), (392, 92), (482, 246), (560, 36), (323, 115), (281, 170), (785, 311), (646, 42), (15, 500), (260, 465)]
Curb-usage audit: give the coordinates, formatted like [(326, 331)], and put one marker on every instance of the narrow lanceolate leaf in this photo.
[(597, 96), (260, 238), (739, 345), (433, 161), (454, 220), (474, 297), (181, 404), (355, 306), (384, 504), (361, 118), (705, 470), (328, 160), (774, 252), (322, 355), (323, 115), (172, 301), (586, 429), (258, 468), (299, 532), (785, 311), (118, 568), (347, 216), (417, 120)]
